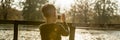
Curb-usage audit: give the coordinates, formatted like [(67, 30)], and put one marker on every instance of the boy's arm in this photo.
[(65, 25), (65, 29)]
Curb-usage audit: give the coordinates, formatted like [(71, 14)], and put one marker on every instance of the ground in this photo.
[(80, 34)]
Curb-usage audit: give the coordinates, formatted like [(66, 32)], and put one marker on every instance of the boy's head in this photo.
[(49, 11)]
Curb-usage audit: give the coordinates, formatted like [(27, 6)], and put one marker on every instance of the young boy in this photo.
[(51, 30)]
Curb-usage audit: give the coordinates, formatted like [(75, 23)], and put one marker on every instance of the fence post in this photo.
[(15, 32)]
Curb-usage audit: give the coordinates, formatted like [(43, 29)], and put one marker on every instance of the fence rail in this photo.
[(16, 23)]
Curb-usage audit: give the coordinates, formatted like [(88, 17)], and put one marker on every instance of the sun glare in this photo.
[(63, 5)]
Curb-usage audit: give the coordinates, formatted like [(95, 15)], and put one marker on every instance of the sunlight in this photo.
[(78, 37), (118, 6), (82, 34), (16, 4), (63, 5)]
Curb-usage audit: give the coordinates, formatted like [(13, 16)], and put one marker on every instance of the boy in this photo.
[(51, 30)]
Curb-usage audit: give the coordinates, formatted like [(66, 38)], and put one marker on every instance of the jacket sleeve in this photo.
[(64, 29)]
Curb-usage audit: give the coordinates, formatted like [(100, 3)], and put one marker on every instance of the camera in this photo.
[(61, 18)]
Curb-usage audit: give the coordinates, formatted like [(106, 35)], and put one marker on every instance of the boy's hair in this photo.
[(46, 9)]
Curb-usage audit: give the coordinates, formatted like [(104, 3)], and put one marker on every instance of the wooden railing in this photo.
[(16, 23)]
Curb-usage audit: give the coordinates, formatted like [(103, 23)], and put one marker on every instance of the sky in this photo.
[(63, 4)]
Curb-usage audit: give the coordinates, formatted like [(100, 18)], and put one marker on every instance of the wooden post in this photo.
[(72, 32), (15, 32)]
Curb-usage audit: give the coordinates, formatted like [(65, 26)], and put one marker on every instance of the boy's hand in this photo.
[(63, 17)]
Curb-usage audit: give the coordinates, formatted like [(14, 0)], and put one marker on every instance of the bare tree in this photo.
[(31, 11), (81, 12), (104, 10), (8, 13)]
